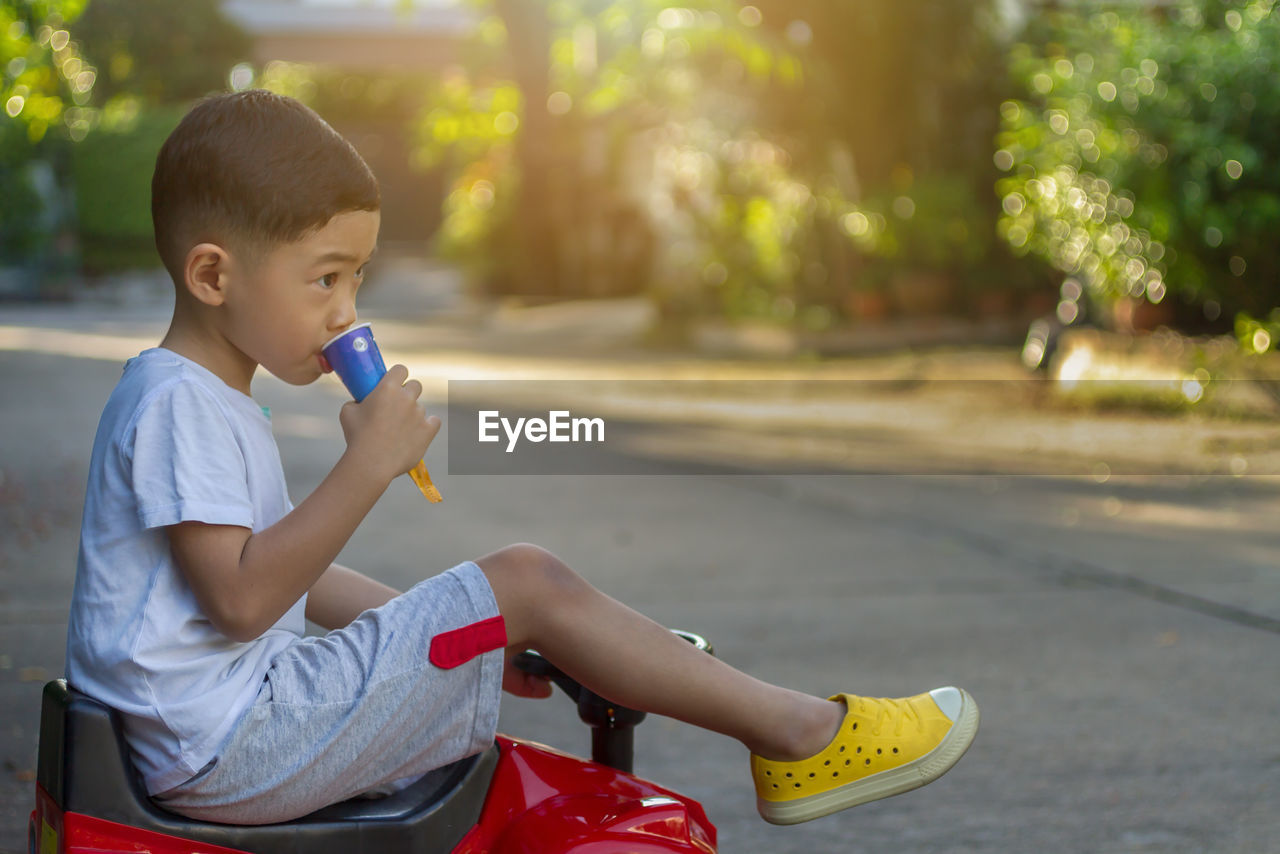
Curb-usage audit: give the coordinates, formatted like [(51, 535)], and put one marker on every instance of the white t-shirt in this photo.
[(175, 444)]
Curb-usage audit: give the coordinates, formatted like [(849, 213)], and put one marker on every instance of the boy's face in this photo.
[(281, 312)]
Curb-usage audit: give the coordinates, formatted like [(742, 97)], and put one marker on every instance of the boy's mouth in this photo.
[(325, 367)]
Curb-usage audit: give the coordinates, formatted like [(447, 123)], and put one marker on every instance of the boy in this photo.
[(196, 571)]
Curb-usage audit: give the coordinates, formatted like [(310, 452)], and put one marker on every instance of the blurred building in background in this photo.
[(368, 36)]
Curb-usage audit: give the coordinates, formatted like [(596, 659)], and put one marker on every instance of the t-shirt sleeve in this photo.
[(186, 462)]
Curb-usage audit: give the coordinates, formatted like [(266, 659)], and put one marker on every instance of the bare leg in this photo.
[(622, 655)]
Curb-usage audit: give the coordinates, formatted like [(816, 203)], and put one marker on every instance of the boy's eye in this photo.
[(328, 280)]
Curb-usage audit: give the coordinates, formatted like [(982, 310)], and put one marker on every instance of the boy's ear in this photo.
[(205, 273)]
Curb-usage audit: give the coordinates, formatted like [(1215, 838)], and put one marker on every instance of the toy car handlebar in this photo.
[(612, 736)]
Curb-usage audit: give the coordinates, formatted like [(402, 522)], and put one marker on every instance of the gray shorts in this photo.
[(364, 708)]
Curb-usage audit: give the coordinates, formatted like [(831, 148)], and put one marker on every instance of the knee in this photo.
[(536, 570)]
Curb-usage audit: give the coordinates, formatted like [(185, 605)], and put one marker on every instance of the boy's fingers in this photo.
[(397, 374), (531, 686), (414, 388)]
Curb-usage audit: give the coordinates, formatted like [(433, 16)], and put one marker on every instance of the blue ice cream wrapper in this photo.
[(354, 357)]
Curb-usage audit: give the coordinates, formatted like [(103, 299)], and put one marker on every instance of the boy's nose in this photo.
[(344, 317)]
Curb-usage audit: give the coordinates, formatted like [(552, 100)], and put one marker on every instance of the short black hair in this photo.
[(253, 170)]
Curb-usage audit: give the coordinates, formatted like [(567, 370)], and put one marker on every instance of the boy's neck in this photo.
[(210, 350)]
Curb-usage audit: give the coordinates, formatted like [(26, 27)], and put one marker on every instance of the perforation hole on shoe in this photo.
[(868, 761), (775, 785), (855, 726), (797, 785), (859, 750), (813, 774), (768, 773), (842, 748), (835, 774), (827, 762), (895, 750), (879, 751), (848, 762), (788, 775)]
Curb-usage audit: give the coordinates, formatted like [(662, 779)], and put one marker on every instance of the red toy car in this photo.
[(515, 798)]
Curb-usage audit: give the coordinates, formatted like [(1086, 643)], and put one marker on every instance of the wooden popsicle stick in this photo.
[(423, 479)]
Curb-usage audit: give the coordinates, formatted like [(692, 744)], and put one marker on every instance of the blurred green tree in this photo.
[(572, 131), (160, 51), (1135, 155), (154, 57), (45, 87), (899, 107), (733, 159)]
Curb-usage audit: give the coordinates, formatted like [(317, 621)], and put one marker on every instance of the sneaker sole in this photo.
[(895, 781)]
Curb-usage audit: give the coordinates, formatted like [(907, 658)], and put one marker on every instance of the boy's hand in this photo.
[(516, 681), (388, 432)]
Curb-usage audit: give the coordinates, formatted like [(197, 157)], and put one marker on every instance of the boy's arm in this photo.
[(342, 594), (244, 581)]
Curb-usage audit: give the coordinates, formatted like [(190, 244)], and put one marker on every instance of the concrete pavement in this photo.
[(1120, 633)]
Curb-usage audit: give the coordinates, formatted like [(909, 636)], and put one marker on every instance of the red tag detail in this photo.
[(454, 648)]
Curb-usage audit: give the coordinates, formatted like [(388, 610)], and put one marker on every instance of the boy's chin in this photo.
[(298, 376)]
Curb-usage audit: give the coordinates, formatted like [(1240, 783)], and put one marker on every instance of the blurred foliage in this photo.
[(154, 57), (590, 140), (44, 92), (898, 114), (1135, 157), (159, 51), (604, 147), (46, 82), (73, 68), (111, 171), (357, 98)]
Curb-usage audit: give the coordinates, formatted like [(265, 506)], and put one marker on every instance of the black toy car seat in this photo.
[(85, 767)]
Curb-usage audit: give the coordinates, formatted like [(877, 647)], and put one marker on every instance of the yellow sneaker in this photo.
[(884, 747)]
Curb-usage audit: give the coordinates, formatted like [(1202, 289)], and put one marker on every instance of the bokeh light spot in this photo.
[(799, 33), (506, 123), (856, 223), (241, 77), (559, 103)]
